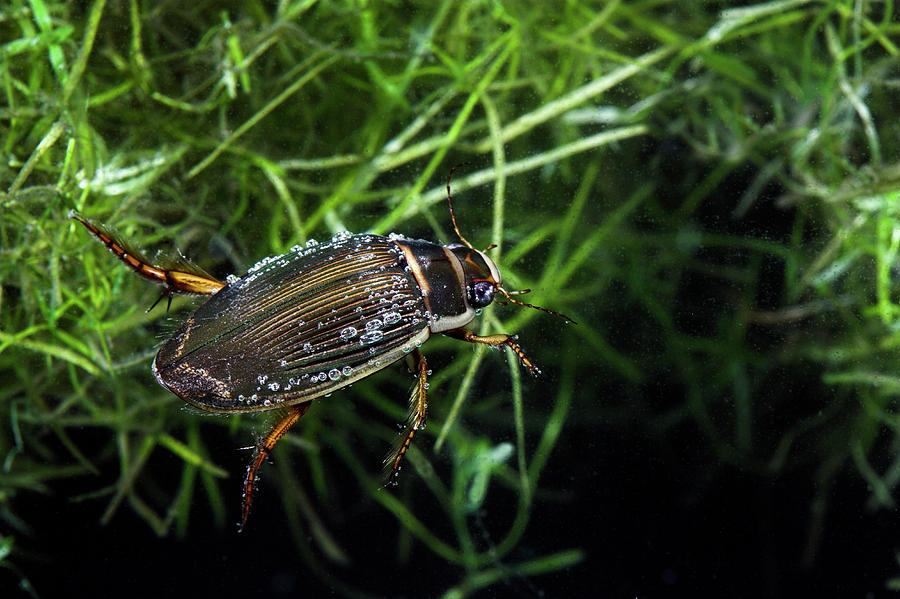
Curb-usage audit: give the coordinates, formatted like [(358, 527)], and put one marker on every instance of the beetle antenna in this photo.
[(450, 203), (509, 296)]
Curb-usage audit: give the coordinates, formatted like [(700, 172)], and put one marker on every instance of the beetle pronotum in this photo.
[(301, 325)]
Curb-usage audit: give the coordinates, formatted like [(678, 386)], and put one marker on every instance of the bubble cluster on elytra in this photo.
[(338, 241), (249, 400), (333, 375)]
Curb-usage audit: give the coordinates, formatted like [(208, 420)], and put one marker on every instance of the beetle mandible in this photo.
[(299, 326)]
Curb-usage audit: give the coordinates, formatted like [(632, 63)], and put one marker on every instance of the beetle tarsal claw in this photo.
[(168, 291)]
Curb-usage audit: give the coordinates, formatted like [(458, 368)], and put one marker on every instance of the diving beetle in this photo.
[(298, 326)]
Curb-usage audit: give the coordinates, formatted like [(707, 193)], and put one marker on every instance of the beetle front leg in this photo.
[(418, 405), (495, 341), (262, 452)]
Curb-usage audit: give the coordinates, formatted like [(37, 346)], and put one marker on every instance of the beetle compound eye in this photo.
[(481, 294)]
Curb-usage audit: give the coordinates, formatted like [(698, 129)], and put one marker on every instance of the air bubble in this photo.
[(274, 386), (391, 317), (371, 336), (346, 370), (334, 374), (348, 333), (374, 324)]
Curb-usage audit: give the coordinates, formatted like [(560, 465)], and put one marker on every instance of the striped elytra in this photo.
[(297, 326)]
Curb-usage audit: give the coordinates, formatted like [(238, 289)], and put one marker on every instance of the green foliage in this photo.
[(601, 136)]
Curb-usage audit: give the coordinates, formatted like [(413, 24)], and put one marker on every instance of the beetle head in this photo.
[(483, 279), (482, 275)]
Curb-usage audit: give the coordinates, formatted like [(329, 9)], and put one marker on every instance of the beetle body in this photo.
[(304, 324), (299, 326)]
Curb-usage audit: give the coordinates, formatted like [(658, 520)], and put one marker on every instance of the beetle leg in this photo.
[(495, 341), (418, 404), (182, 277), (262, 452)]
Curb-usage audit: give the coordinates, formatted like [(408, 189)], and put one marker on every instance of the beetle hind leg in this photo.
[(262, 452), (418, 405), (179, 276), (499, 340)]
